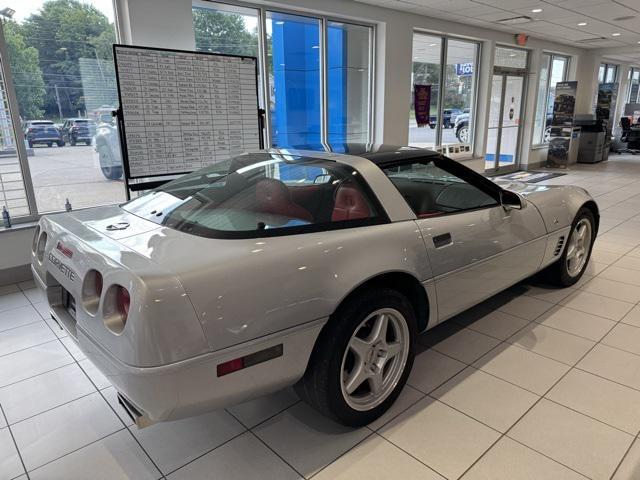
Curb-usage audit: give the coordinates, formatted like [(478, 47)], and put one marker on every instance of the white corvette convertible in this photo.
[(287, 267)]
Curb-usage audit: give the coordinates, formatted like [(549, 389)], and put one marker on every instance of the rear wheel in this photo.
[(60, 143), (50, 144), (109, 170), (463, 134), (575, 258), (362, 359)]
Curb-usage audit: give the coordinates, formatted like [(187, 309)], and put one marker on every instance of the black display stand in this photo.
[(149, 181)]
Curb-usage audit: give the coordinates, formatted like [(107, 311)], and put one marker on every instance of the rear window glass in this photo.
[(255, 195), (42, 123)]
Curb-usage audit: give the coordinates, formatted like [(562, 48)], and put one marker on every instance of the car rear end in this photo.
[(82, 131), (42, 133)]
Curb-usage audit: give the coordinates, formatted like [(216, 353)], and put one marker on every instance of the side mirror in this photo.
[(512, 200)]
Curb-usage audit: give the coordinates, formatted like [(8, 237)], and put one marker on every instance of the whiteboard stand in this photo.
[(181, 111)]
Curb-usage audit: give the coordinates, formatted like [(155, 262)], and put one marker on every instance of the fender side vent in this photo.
[(559, 246)]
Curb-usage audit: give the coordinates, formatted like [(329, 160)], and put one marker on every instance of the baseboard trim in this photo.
[(21, 273)]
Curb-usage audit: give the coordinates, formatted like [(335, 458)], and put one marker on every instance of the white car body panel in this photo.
[(197, 302)]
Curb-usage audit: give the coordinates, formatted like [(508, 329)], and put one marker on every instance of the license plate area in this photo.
[(69, 303)]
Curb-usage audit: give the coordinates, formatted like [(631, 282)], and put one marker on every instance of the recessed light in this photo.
[(536, 10), (616, 34), (433, 44), (582, 24)]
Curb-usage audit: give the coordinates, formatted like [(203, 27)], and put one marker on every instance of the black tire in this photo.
[(321, 386), (30, 144), (558, 273), (72, 142), (60, 143), (50, 144)]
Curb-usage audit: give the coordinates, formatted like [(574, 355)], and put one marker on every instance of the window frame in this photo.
[(633, 71), (539, 142), (456, 169), (261, 11), (380, 218), (444, 43)]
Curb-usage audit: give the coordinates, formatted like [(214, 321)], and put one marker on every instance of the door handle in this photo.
[(442, 240)]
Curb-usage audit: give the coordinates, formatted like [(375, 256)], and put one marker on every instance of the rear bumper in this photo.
[(190, 387)]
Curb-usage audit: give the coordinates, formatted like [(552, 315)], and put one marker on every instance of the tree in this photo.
[(63, 32), (219, 32), (27, 76)]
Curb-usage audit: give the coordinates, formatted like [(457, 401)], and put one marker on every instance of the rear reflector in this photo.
[(249, 360)]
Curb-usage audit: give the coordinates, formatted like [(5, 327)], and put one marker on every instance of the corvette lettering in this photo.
[(64, 269)]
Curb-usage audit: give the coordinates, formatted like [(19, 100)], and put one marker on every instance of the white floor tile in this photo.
[(24, 337), (10, 464), (625, 337), (35, 294), (498, 324), (242, 458), (597, 305), (116, 457), (525, 307), (440, 437), (257, 411), (551, 294), (407, 397), (633, 317), (64, 429), (510, 460), (94, 374), (576, 322), (628, 262), (73, 349), (174, 444), (522, 367), (431, 369), (613, 289), (18, 317), (32, 361), (7, 289), (620, 274), (583, 444), (614, 364), (13, 300), (376, 458), (552, 343), (466, 345), (43, 392), (111, 396), (486, 398), (629, 469), (599, 398), (306, 440)]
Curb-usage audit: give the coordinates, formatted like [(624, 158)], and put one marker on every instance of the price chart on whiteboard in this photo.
[(181, 111)]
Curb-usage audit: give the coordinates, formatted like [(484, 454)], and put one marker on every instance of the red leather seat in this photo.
[(350, 204), (273, 198)]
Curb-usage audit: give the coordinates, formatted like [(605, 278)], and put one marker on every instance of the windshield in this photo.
[(261, 195)]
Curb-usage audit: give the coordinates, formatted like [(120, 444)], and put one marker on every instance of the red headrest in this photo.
[(273, 197), (350, 204)]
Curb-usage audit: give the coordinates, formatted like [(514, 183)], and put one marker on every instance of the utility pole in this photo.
[(58, 100)]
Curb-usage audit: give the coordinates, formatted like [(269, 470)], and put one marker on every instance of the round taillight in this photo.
[(123, 300), (34, 243), (92, 291)]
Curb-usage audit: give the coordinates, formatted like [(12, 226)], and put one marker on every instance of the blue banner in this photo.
[(464, 69)]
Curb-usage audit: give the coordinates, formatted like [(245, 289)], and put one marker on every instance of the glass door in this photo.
[(505, 119)]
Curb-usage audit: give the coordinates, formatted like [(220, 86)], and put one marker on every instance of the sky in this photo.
[(24, 8)]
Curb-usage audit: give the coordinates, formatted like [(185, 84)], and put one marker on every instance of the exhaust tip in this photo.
[(141, 420)]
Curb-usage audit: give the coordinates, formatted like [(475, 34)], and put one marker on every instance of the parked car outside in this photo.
[(449, 117), (286, 267), (78, 130), (38, 132), (461, 127)]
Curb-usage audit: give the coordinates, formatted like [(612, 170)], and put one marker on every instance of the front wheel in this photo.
[(362, 358), (575, 258), (463, 134)]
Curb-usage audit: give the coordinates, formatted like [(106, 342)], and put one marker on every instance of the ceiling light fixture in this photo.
[(616, 34), (582, 24), (536, 10)]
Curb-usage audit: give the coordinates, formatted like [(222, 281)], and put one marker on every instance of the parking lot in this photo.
[(70, 172)]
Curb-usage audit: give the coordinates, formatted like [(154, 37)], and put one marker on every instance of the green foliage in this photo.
[(27, 76), (63, 32), (223, 33)]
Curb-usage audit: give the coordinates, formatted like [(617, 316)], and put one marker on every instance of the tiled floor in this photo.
[(536, 383)]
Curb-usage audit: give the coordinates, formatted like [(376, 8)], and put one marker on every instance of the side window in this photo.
[(432, 191)]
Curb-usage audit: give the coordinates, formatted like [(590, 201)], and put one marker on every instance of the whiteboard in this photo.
[(181, 111)]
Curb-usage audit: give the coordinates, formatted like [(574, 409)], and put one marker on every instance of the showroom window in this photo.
[(61, 62), (440, 116), (553, 69), (315, 72), (634, 86), (608, 73)]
